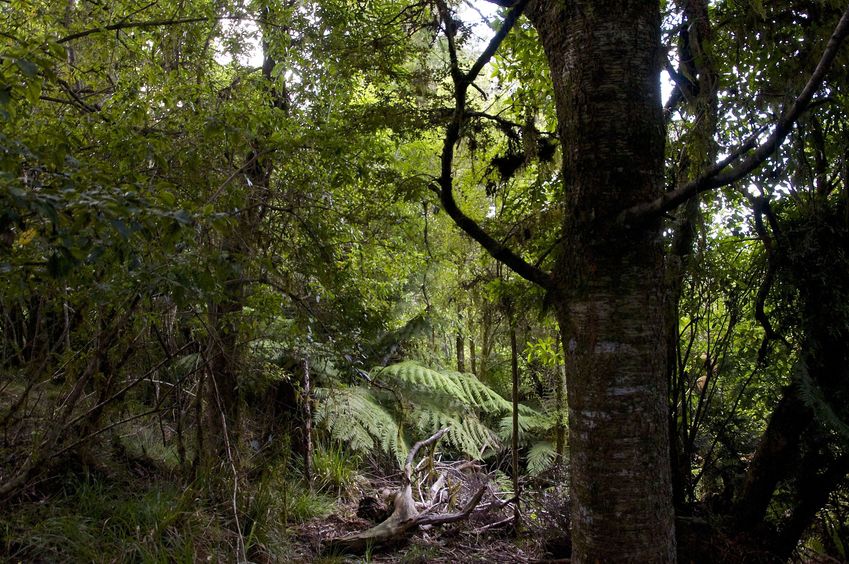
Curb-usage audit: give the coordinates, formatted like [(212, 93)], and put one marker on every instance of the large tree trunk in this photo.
[(604, 59)]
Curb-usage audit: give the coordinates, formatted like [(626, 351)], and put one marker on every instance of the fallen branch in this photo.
[(495, 525), (405, 517)]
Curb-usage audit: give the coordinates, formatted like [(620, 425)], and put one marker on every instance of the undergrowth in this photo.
[(115, 515), (92, 521)]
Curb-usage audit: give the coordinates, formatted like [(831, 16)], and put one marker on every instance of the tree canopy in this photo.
[(255, 252)]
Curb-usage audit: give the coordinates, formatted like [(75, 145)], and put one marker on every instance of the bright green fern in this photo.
[(354, 418), (422, 401)]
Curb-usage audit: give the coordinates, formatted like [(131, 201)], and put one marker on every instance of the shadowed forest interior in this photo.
[(424, 281)]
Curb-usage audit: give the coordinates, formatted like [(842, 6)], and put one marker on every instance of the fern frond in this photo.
[(353, 417), (541, 457), (417, 381), (466, 432), (431, 400), (531, 422), (479, 395)]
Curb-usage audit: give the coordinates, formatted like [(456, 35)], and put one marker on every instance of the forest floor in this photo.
[(486, 535), (128, 507), (449, 544)]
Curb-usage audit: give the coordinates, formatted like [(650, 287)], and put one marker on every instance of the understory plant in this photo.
[(407, 401)]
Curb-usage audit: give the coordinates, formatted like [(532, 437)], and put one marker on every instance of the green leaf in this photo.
[(541, 456), (29, 68)]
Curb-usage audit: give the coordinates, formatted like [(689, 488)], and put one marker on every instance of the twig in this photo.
[(494, 525), (408, 466)]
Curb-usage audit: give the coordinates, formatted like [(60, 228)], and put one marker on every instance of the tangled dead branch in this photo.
[(407, 515)]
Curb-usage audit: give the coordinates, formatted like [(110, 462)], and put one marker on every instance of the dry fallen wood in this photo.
[(405, 517)]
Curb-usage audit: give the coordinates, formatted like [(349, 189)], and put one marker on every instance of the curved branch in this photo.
[(445, 188), (497, 39), (714, 177), (453, 517), (134, 25), (411, 456)]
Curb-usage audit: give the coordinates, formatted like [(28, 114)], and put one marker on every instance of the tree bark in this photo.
[(461, 352), (604, 59), (514, 365), (307, 415)]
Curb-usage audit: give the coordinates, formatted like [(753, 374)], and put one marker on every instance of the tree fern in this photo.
[(466, 432), (415, 381), (429, 400), (479, 394), (531, 424), (353, 417)]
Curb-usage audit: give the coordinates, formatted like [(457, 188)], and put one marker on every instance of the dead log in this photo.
[(405, 517)]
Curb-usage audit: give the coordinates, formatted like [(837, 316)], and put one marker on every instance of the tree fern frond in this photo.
[(541, 457), (418, 381), (530, 423), (431, 400), (466, 432), (353, 417), (479, 394)]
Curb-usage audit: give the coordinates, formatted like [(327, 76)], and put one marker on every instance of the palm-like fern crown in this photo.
[(418, 400)]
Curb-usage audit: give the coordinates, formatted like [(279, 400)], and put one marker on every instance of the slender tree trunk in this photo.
[(461, 352), (307, 415), (699, 78), (604, 58), (487, 338), (222, 386), (514, 363), (559, 393), (472, 358), (239, 244)]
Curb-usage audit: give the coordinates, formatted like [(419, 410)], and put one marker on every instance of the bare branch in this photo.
[(408, 466), (445, 186), (131, 25), (452, 517), (714, 177), (497, 39)]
